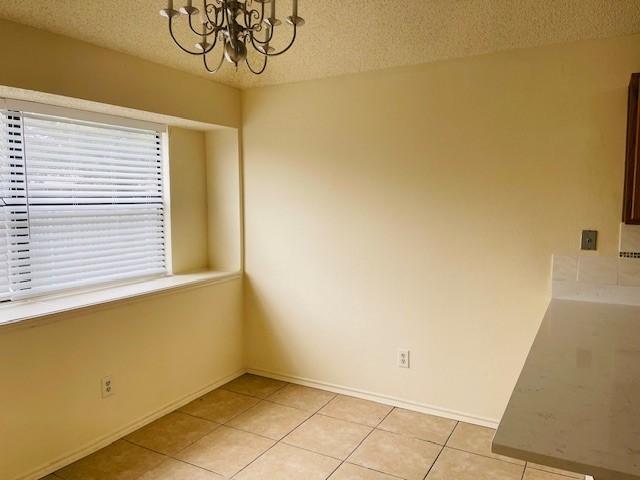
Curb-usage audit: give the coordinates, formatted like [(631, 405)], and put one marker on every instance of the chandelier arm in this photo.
[(266, 54), (249, 16), (214, 70), (213, 44), (257, 72), (197, 32), (204, 52), (262, 42), (215, 9)]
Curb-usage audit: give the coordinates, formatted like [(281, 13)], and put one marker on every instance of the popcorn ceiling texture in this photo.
[(342, 36)]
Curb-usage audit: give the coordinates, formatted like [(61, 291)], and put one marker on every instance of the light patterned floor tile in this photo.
[(328, 436), (304, 398), (219, 406), (396, 454), (418, 425), (320, 429), (476, 439), (533, 474), (119, 461), (225, 451), (356, 410), (348, 471), (172, 433), (172, 469), (254, 385), (557, 471), (270, 420), (284, 462), (458, 465)]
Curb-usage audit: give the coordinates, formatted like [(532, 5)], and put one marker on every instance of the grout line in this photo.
[(172, 457), (309, 450), (197, 466), (311, 412), (232, 417), (252, 407), (373, 429), (349, 421), (167, 457), (268, 399), (276, 442), (374, 470), (524, 470), (231, 427), (484, 456), (216, 426), (413, 437), (284, 384), (441, 450), (538, 469)]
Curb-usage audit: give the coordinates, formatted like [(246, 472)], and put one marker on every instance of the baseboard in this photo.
[(377, 397), (122, 432)]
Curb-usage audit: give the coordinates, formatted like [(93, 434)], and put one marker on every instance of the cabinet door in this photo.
[(631, 202)]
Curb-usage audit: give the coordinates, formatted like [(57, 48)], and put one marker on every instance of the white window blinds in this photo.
[(82, 204)]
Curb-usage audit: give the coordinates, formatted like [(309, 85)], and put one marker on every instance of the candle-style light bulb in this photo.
[(267, 34), (203, 20), (189, 3), (170, 5), (273, 10), (295, 9)]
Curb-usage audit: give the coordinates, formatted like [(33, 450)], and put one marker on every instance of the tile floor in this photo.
[(258, 428)]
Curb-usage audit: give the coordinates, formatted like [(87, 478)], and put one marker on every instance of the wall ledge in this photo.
[(33, 312)]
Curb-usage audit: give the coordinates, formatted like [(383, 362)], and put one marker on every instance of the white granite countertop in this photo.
[(576, 405)]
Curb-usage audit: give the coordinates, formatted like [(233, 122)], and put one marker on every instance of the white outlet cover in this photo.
[(404, 358), (107, 387)]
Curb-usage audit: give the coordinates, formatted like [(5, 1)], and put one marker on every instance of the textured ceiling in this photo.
[(343, 36)]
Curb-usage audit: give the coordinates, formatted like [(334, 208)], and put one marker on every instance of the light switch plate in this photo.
[(589, 240)]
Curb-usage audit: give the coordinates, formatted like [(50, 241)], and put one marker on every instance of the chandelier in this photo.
[(236, 24)]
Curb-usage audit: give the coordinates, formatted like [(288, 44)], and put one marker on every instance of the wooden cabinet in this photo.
[(631, 201)]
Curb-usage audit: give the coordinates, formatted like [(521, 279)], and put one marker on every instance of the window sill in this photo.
[(26, 312)]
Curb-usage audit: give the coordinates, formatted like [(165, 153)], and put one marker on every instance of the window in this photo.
[(81, 203)]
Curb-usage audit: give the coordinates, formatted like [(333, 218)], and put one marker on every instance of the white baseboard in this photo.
[(377, 397), (122, 432)]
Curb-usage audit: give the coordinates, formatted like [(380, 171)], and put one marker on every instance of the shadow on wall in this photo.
[(263, 330)]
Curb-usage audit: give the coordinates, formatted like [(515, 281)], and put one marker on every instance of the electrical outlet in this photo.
[(403, 358), (107, 387)]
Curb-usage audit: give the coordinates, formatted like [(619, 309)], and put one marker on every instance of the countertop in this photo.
[(576, 405)]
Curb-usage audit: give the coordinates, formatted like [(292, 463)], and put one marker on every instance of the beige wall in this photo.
[(158, 351), (189, 212), (223, 200), (419, 207), (46, 62), (205, 200)]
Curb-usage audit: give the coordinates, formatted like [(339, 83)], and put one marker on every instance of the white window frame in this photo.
[(82, 115)]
